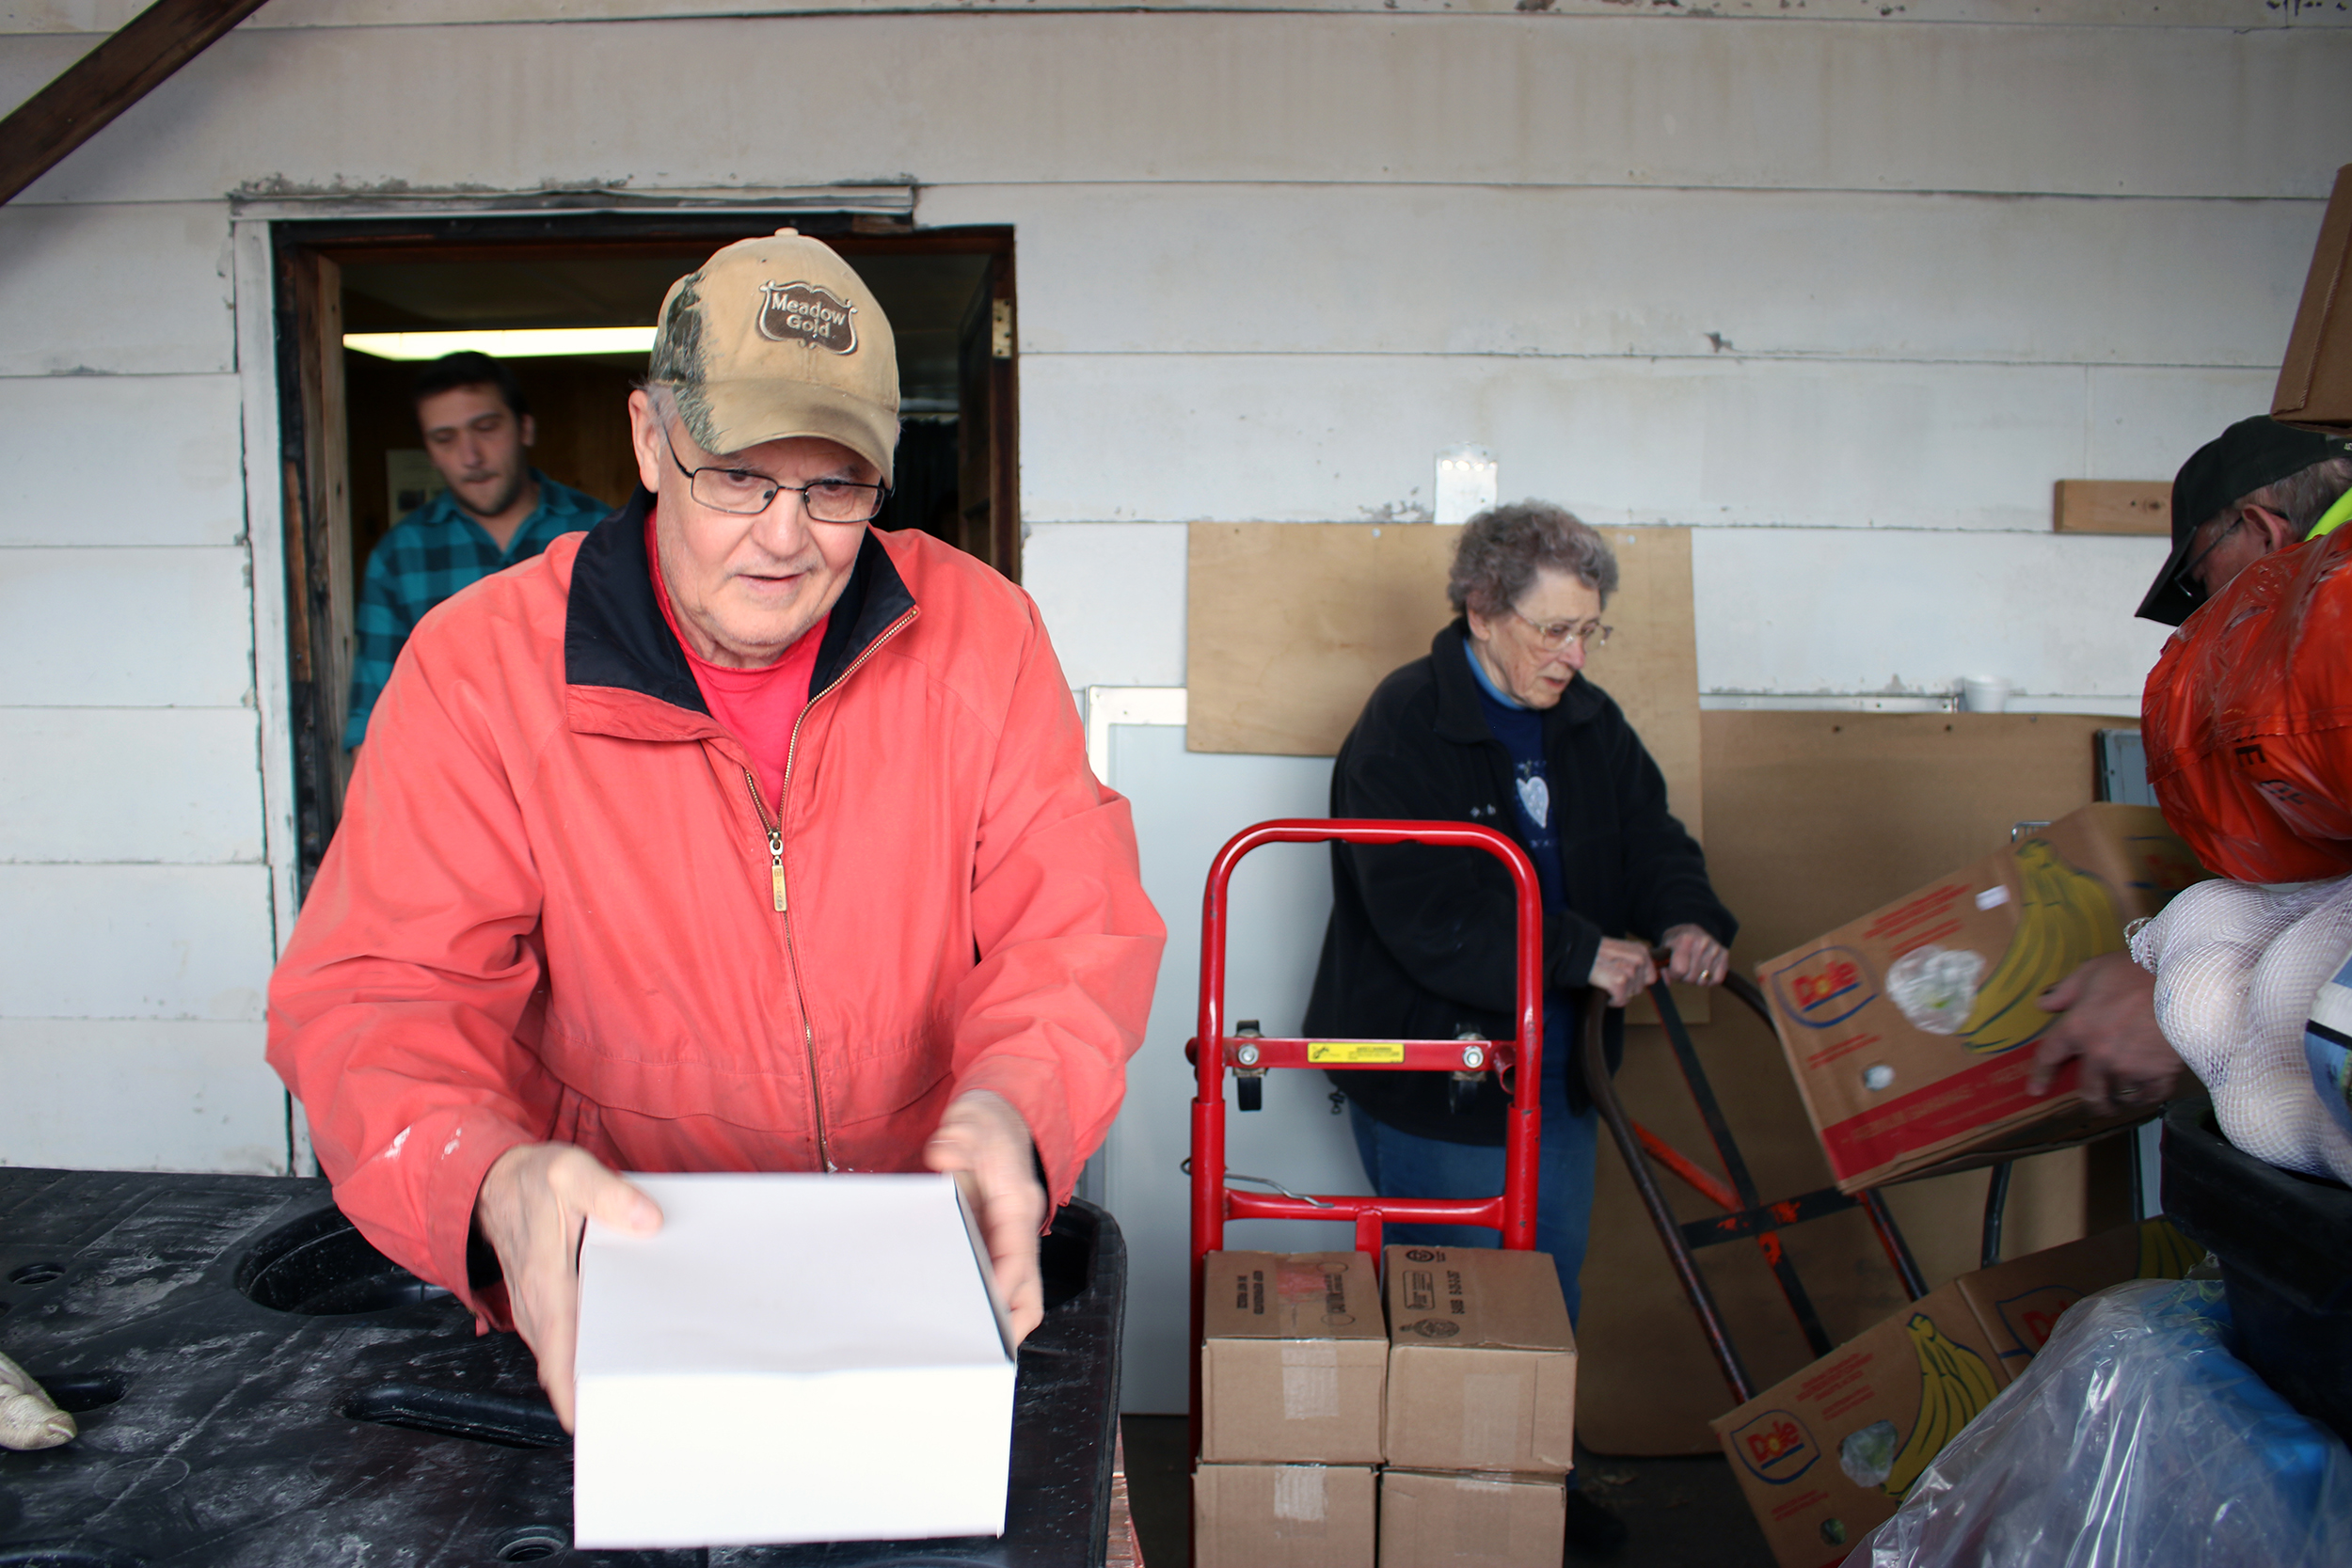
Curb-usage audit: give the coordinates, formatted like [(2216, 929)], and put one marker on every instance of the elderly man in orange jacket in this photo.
[(730, 836)]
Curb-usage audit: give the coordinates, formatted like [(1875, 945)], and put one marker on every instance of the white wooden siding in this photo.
[(114, 1095), (126, 460), (1279, 438), (1565, 271), (144, 942), (1800, 611), (104, 290), (955, 98), (102, 628), (161, 785)]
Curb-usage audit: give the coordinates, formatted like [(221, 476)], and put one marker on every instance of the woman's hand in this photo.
[(1695, 959), (1623, 969)]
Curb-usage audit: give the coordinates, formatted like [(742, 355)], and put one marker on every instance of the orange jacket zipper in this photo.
[(775, 870)]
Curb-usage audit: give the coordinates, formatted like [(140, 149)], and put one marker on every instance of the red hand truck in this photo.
[(1213, 1052)]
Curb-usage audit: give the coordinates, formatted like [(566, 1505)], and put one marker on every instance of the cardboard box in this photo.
[(791, 1358), (1907, 1030), (1482, 1362), (1473, 1521), (1282, 1516), (1825, 1455), (2315, 378), (1295, 1361)]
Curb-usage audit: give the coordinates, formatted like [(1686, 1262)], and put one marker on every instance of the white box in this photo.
[(791, 1358)]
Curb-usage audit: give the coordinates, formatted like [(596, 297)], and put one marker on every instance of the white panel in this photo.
[(1274, 438), (1390, 269), (1518, 99), (119, 1095), (1186, 806), (2144, 423), (53, 16), (1113, 598), (125, 628), (171, 441), (155, 942), (1807, 611), (109, 289), (166, 784)]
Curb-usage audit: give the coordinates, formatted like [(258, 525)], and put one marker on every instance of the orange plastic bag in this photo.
[(2248, 719)]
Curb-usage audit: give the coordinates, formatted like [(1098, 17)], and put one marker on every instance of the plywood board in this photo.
[(1817, 818), (2112, 506), (2316, 379)]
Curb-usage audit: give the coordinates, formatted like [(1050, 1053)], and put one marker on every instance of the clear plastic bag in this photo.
[(2135, 1439)]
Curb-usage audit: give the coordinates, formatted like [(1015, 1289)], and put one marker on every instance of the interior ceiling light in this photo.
[(533, 342)]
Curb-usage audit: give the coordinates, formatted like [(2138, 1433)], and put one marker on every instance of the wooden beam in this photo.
[(2112, 506), (109, 79)]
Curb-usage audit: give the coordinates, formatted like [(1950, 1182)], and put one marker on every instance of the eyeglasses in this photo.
[(2187, 578), (1559, 634), (747, 493)]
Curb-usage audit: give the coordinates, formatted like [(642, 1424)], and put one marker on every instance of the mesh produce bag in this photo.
[(2135, 1439), (2238, 967)]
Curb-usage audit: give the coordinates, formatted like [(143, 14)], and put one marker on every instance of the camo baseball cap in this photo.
[(774, 337)]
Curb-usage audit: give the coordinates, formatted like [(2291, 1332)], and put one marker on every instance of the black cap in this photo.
[(2240, 461)]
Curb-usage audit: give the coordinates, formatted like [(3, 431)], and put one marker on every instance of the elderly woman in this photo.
[(1499, 726)]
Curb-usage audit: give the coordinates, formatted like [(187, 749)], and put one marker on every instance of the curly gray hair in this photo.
[(1503, 548)]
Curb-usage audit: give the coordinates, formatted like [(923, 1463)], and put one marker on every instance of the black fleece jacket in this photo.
[(1420, 945)]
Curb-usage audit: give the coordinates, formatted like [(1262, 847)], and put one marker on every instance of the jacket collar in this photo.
[(1460, 715), (614, 634)]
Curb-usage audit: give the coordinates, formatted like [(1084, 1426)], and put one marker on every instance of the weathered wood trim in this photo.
[(255, 305), (86, 99)]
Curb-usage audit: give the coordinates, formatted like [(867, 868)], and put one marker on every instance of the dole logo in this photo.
[(2033, 1317), (1825, 987), (1775, 1447)]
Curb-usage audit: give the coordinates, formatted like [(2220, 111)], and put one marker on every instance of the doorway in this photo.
[(355, 463)]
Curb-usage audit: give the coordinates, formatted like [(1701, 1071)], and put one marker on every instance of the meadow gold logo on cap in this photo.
[(809, 313)]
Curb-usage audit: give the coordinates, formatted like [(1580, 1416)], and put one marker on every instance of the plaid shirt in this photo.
[(431, 554)]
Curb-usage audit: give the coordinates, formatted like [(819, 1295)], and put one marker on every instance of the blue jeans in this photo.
[(1401, 1165)]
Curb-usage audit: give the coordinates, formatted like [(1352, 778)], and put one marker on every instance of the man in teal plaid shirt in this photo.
[(497, 511)]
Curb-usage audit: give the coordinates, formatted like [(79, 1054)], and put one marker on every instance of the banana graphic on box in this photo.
[(1954, 1384), (2065, 918)]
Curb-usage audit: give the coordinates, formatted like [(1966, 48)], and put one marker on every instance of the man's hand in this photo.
[(2110, 1022), (1623, 969), (1695, 959), (985, 1143), (534, 1202)]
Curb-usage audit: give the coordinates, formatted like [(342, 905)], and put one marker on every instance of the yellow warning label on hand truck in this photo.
[(1353, 1053)]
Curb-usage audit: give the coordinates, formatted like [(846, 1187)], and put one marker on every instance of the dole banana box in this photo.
[(1910, 1031), (1293, 1358), (1826, 1455)]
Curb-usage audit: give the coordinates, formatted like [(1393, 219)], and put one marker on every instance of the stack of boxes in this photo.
[(1331, 1437)]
